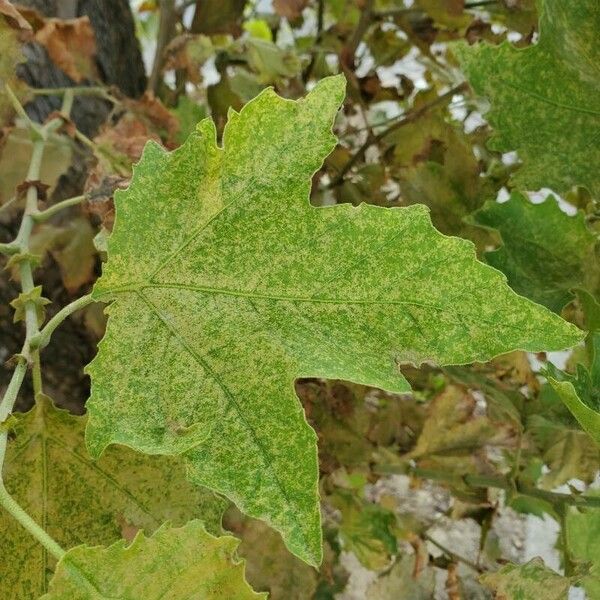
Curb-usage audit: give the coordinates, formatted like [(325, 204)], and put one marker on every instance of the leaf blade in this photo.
[(222, 301), (192, 563), (541, 92)]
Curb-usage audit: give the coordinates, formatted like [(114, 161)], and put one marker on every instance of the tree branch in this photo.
[(410, 117)]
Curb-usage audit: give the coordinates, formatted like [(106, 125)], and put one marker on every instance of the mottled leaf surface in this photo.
[(172, 564), (546, 254), (545, 99), (530, 581), (77, 500), (228, 285)]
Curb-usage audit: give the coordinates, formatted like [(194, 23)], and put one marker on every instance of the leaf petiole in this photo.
[(42, 338)]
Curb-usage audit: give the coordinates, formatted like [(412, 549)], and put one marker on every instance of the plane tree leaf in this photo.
[(77, 500), (546, 254), (227, 285), (174, 563), (544, 98)]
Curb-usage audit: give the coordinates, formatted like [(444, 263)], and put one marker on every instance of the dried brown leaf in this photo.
[(71, 44), (13, 17), (290, 9)]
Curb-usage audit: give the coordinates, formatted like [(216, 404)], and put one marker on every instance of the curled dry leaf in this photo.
[(71, 45), (128, 137), (100, 189), (155, 114), (14, 18), (290, 9)]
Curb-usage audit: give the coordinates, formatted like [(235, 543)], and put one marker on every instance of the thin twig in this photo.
[(166, 32), (410, 117), (453, 556), (19, 107), (28, 355)]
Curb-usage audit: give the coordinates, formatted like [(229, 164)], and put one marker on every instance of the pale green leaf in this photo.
[(588, 418), (171, 565), (581, 392), (228, 286), (531, 581), (545, 98), (80, 501), (546, 254)]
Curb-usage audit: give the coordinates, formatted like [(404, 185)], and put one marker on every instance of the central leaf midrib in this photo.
[(139, 287)]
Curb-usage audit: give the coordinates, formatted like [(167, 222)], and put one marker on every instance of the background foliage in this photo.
[(423, 494)]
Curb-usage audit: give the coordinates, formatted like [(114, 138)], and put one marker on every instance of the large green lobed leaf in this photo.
[(545, 99), (227, 286)]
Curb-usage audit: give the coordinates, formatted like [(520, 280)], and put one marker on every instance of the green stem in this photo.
[(478, 3), (8, 402), (568, 564), (38, 385), (44, 215), (19, 107), (9, 249), (11, 505), (31, 319), (14, 385), (43, 337), (77, 91)]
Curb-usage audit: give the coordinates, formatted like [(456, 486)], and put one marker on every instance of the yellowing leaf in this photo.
[(544, 99), (583, 539), (531, 581), (228, 285), (406, 580), (10, 56), (16, 151), (80, 501), (269, 565), (172, 564), (453, 437)]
